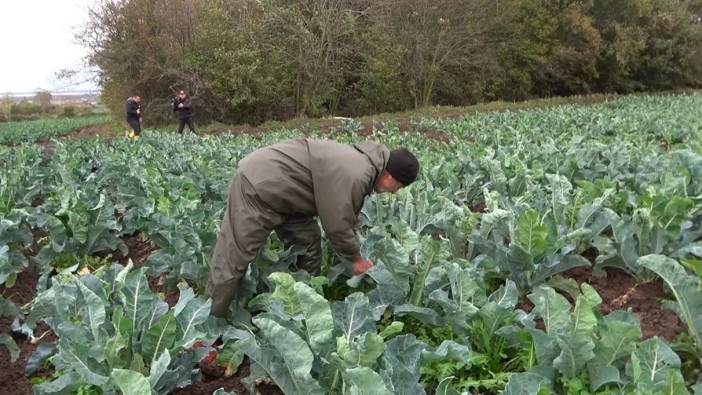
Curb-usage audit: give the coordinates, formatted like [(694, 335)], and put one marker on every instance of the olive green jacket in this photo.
[(318, 178)]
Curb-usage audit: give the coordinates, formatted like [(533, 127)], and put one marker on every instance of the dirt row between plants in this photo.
[(213, 378), (13, 379), (619, 291), (322, 125), (328, 125)]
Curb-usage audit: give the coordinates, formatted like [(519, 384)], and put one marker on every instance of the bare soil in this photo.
[(158, 285), (620, 291), (214, 379), (13, 379), (327, 125), (478, 208), (90, 131), (139, 249)]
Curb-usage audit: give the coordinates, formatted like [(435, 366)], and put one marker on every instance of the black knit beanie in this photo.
[(403, 166)]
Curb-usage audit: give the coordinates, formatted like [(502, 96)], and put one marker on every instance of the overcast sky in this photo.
[(38, 40)]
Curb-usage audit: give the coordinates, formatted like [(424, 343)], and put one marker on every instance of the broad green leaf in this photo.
[(137, 363), (364, 350), (386, 294), (461, 298), (113, 351), (652, 361), (558, 264), (686, 289), (525, 384), (506, 296), (75, 354), (159, 337), (401, 365), (576, 351), (121, 323), (185, 296), (11, 263), (499, 310), (591, 213), (319, 322), (619, 333), (284, 291), (353, 316), (560, 189), (547, 350), (553, 308), (138, 299), (674, 384), (531, 235), (431, 253), (364, 381), (159, 367), (675, 211), (693, 264), (95, 309), (65, 384), (195, 312), (584, 317), (448, 350), (285, 356), (391, 330), (130, 382), (396, 259), (424, 314), (408, 238)]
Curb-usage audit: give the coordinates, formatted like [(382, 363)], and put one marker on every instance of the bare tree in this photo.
[(43, 98), (317, 37), (139, 46), (438, 35)]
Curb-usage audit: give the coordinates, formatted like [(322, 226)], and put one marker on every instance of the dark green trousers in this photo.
[(246, 225)]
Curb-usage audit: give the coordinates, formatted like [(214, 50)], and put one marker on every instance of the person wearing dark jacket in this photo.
[(134, 116), (183, 105), (284, 188)]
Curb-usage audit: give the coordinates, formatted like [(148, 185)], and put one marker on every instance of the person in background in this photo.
[(183, 105), (134, 117)]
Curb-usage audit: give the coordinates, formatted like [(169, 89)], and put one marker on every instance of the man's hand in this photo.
[(361, 265), (138, 110), (180, 105)]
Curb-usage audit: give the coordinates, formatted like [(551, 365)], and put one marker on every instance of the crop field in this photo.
[(552, 251), (42, 129)]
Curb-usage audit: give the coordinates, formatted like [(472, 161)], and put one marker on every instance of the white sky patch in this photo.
[(38, 39)]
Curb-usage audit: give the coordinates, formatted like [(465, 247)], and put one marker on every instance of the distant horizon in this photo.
[(53, 91)]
